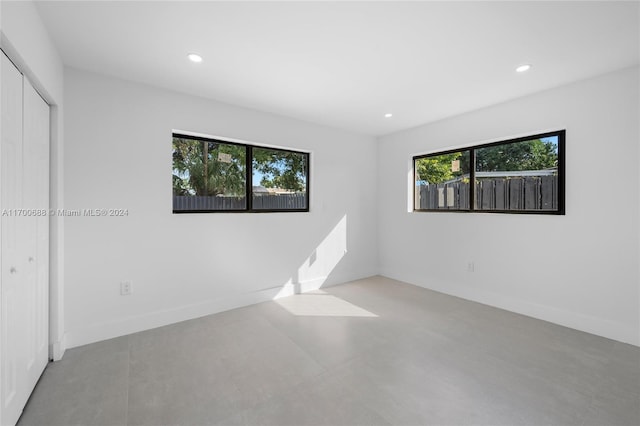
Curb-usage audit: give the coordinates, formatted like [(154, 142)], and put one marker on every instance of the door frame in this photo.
[(57, 344)]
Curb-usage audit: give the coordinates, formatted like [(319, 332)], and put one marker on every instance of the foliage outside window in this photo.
[(212, 175), (524, 175), (279, 179)]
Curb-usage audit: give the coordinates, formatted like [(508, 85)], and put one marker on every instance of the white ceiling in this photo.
[(346, 64)]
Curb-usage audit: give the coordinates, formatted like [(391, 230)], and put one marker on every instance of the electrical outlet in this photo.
[(126, 288), (471, 267)]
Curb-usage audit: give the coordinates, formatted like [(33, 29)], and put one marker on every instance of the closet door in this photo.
[(35, 189), (24, 235), (13, 344)]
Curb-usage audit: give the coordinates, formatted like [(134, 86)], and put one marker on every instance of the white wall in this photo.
[(118, 155), (578, 270), (25, 40), (29, 45)]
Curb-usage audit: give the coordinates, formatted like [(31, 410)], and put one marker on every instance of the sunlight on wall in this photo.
[(315, 270), (325, 257), (312, 274), (321, 304)]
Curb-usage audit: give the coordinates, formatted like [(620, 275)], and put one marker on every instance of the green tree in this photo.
[(527, 155), (281, 169), (442, 168), (199, 169), (534, 154)]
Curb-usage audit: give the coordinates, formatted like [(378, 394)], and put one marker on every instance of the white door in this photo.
[(14, 317), (24, 241), (35, 188)]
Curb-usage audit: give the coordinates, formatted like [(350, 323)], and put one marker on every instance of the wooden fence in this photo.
[(260, 202), (518, 193), (279, 202)]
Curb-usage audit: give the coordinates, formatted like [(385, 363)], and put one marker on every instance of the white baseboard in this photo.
[(314, 284), (589, 324), (57, 349), (121, 327)]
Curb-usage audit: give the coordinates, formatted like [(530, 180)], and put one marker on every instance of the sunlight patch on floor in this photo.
[(322, 305)]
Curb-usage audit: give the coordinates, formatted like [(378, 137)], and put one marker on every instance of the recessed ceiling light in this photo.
[(194, 57), (523, 68), (388, 115)]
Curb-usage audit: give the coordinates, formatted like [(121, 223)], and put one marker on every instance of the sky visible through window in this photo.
[(524, 175)]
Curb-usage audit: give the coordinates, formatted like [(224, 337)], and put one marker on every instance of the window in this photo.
[(442, 181), (212, 175), (279, 179), (524, 175)]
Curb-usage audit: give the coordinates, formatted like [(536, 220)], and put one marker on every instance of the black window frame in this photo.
[(249, 176), (560, 134)]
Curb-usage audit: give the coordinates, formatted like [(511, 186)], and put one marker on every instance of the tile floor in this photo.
[(369, 352)]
